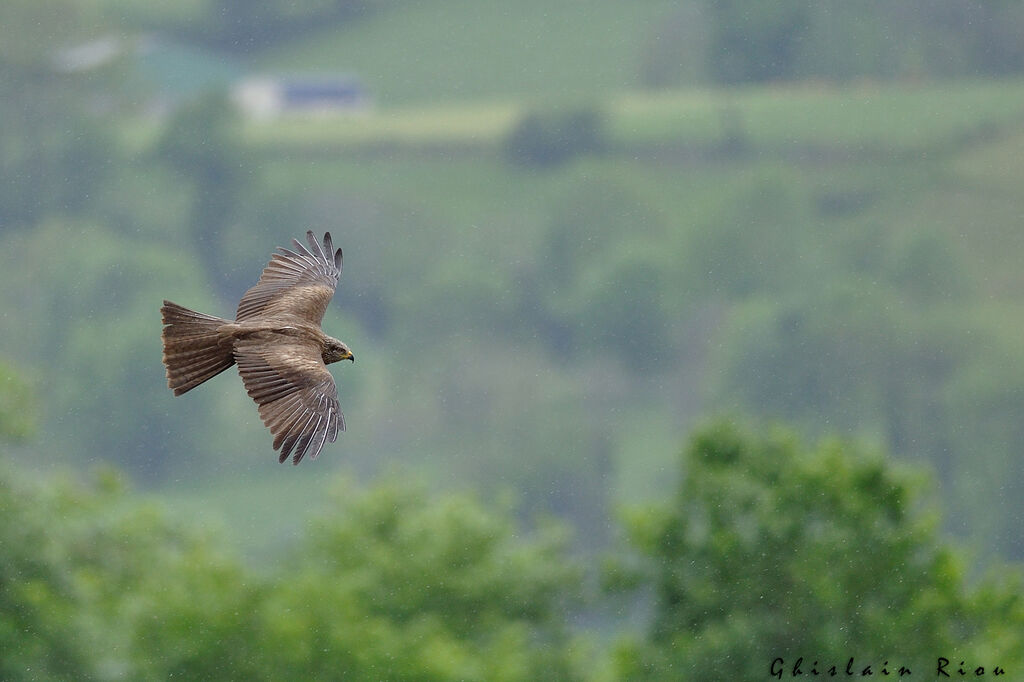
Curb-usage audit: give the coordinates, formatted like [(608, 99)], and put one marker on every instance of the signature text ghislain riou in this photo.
[(943, 668)]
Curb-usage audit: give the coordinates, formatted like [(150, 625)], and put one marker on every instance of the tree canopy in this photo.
[(773, 549)]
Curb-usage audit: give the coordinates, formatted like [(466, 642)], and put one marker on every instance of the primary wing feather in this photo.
[(295, 284), (296, 395)]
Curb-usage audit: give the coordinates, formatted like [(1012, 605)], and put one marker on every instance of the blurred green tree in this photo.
[(393, 585), (755, 42), (773, 550), (95, 584), (550, 138)]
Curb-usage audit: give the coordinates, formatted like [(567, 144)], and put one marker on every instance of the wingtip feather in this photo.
[(314, 245)]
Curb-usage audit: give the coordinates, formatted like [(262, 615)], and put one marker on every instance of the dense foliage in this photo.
[(387, 585), (770, 550)]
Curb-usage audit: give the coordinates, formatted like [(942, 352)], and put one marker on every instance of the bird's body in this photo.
[(279, 332), (278, 345)]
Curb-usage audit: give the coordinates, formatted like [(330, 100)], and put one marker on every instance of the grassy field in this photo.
[(891, 118), (894, 115)]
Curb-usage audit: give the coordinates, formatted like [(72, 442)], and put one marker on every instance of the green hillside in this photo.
[(889, 193)]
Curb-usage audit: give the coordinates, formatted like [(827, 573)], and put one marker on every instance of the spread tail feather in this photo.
[(192, 352)]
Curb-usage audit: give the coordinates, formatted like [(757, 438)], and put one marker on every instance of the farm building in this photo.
[(272, 96)]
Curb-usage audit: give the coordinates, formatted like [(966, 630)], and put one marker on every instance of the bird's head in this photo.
[(335, 351)]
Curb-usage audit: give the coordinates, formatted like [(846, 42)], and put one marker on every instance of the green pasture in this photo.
[(874, 119)]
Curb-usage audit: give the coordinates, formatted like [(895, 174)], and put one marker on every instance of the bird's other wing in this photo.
[(297, 397), (295, 284)]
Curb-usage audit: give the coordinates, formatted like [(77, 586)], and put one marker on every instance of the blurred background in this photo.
[(581, 238)]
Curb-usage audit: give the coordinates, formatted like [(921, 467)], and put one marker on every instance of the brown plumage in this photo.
[(276, 341)]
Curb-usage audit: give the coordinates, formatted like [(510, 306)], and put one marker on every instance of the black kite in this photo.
[(276, 340)]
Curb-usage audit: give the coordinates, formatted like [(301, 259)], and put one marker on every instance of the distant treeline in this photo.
[(843, 39), (738, 41), (246, 25)]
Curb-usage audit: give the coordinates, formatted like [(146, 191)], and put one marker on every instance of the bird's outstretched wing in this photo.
[(295, 284), (297, 397)]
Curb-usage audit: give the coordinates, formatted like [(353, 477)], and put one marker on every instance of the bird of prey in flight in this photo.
[(276, 341)]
